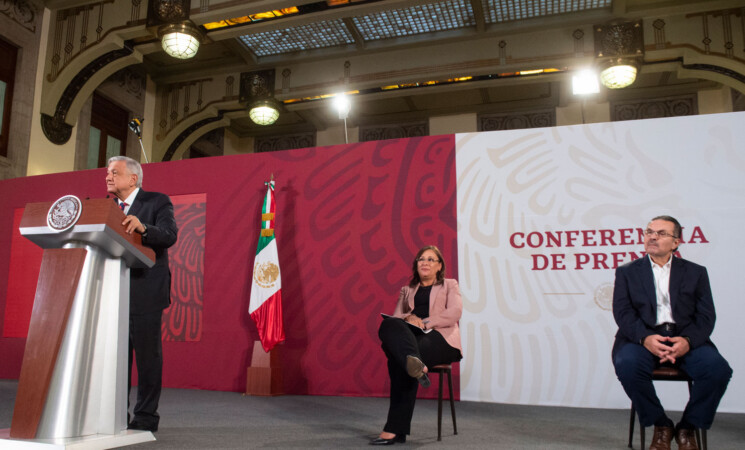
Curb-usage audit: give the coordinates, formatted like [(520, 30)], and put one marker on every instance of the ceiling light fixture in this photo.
[(264, 112), (618, 73), (180, 40), (257, 93), (619, 52)]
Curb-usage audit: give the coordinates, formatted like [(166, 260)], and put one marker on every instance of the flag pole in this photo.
[(264, 377)]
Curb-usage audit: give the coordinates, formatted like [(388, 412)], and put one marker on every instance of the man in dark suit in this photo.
[(151, 215), (665, 315)]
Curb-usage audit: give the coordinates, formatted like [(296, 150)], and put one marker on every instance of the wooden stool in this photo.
[(665, 373), (442, 370)]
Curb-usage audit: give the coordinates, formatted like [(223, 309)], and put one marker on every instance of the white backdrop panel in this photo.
[(537, 325)]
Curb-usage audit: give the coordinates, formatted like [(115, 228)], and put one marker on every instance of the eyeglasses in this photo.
[(429, 260), (660, 234)]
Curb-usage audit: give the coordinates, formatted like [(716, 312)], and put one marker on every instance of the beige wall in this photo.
[(235, 145), (588, 110), (461, 123), (335, 135), (23, 31), (148, 126), (44, 156), (715, 101), (571, 114)]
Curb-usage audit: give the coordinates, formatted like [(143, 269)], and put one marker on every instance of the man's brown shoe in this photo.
[(686, 439), (662, 438)]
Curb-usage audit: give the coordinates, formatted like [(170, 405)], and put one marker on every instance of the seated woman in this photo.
[(432, 303)]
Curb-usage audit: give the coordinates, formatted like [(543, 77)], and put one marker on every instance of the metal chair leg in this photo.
[(706, 445), (632, 420), (439, 409), (701, 439), (452, 402)]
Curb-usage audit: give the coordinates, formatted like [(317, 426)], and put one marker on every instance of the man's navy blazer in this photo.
[(150, 289), (635, 302)]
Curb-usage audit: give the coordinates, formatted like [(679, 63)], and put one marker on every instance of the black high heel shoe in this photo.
[(415, 368), (397, 439)]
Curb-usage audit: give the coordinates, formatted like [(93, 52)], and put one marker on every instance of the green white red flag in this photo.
[(265, 306)]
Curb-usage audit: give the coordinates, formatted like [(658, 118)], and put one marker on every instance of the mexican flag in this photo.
[(265, 307)]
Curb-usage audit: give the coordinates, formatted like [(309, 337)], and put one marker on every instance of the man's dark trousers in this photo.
[(709, 371)]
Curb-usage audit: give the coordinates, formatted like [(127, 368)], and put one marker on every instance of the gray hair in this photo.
[(133, 166), (677, 229)]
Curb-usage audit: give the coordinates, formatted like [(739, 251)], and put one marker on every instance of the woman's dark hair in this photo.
[(440, 278)]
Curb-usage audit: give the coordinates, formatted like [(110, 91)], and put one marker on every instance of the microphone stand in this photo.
[(139, 138)]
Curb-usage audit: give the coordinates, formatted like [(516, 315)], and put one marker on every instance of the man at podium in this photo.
[(151, 215)]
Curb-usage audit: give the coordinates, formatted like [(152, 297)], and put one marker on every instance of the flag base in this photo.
[(264, 377)]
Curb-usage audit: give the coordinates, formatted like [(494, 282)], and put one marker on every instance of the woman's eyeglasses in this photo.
[(429, 260)]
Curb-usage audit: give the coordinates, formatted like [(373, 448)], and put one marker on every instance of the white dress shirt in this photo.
[(662, 290), (128, 200)]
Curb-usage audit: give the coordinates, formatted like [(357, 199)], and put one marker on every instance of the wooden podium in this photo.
[(72, 389)]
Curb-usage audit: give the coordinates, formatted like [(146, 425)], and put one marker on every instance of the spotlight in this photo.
[(585, 82), (342, 105)]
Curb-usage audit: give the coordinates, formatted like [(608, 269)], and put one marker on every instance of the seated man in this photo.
[(665, 315)]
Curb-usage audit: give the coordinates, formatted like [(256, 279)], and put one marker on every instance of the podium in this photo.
[(72, 391)]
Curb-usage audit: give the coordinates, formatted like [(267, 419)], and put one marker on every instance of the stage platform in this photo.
[(192, 419)]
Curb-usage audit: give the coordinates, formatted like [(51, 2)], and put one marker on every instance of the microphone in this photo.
[(136, 125)]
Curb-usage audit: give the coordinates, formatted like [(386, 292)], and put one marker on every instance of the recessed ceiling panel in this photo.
[(305, 37), (415, 20), (497, 11)]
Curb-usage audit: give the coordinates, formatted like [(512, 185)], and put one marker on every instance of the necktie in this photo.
[(122, 205)]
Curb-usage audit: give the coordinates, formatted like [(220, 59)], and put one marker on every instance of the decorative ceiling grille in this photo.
[(496, 11), (305, 37), (415, 20)]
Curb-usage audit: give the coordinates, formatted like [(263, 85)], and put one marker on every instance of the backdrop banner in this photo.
[(352, 219), (531, 222), (544, 218)]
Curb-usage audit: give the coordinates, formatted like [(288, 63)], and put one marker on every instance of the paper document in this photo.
[(415, 328)]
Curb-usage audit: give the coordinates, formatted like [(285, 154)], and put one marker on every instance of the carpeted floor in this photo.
[(193, 419)]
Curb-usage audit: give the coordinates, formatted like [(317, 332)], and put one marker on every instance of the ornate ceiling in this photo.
[(409, 60)]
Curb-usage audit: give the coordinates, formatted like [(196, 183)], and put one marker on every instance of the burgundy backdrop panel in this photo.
[(22, 279), (182, 321), (349, 221)]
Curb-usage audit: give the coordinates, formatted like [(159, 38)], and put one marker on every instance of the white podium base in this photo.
[(93, 442)]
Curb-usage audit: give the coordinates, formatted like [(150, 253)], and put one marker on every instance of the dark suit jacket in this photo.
[(445, 308), (635, 303), (150, 289)]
